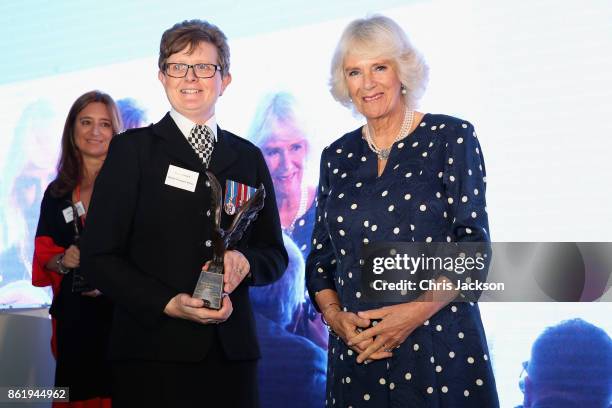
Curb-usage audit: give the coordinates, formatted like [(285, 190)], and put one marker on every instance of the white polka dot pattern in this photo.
[(432, 191)]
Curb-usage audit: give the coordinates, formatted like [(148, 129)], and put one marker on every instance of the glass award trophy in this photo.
[(210, 284)]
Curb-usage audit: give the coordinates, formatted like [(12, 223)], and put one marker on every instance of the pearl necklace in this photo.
[(383, 154), (301, 209)]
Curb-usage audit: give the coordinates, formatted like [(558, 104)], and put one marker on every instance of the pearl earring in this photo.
[(404, 91)]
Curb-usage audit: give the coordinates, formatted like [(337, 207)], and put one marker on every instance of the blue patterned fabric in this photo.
[(432, 189), (303, 230)]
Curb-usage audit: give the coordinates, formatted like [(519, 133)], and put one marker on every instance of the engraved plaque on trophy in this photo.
[(210, 284), (79, 283)]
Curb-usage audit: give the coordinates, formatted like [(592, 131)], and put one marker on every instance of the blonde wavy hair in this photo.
[(379, 37)]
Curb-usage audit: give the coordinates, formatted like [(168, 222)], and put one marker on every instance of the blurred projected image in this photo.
[(292, 368), (281, 135), (132, 114), (28, 168), (280, 132)]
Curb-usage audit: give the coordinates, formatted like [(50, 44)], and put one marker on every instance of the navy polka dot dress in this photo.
[(431, 190)]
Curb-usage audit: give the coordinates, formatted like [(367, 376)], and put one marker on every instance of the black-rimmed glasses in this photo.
[(179, 70)]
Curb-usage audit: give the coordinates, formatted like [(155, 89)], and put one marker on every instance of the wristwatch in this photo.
[(61, 268)]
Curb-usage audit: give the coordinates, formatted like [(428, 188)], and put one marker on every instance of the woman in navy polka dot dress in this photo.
[(404, 176)]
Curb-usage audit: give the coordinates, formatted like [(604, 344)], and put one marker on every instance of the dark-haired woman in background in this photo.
[(81, 320)]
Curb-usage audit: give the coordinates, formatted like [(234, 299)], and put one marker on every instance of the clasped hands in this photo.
[(390, 326), (183, 306)]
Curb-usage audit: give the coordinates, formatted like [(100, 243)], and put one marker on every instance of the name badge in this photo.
[(80, 208), (69, 214), (182, 178)]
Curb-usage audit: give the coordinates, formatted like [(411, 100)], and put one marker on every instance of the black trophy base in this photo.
[(79, 283), (210, 289)]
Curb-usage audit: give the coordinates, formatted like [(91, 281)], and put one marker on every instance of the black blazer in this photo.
[(146, 241)]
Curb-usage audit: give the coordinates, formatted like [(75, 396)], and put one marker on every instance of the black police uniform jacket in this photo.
[(146, 241)]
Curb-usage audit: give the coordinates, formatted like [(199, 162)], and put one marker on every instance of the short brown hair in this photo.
[(190, 33)]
